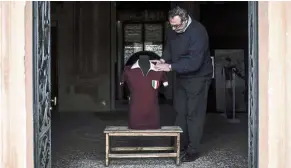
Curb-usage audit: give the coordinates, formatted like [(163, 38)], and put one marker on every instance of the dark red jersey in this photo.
[(144, 106)]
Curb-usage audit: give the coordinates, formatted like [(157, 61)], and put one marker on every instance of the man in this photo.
[(187, 53)]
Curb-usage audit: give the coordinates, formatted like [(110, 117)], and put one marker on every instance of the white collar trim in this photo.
[(136, 65), (152, 67), (189, 22)]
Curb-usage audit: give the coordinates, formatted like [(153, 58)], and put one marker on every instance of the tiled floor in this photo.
[(78, 142)]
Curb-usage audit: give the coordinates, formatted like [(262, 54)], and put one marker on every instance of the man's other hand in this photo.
[(163, 67), (161, 61)]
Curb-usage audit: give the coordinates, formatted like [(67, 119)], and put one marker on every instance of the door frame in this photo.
[(44, 161), (253, 85)]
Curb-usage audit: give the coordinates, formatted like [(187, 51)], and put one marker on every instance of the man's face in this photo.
[(228, 62), (177, 24)]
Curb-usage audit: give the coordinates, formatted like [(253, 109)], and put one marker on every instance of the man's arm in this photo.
[(237, 72), (193, 61)]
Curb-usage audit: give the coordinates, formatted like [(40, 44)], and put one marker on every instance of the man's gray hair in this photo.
[(177, 11)]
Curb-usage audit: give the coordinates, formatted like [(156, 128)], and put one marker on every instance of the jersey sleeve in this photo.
[(165, 79)]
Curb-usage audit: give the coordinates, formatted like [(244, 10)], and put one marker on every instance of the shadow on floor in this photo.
[(78, 142)]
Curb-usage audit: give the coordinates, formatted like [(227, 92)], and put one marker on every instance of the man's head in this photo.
[(178, 18), (228, 61)]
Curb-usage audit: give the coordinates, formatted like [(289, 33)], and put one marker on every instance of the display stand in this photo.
[(226, 86), (224, 95)]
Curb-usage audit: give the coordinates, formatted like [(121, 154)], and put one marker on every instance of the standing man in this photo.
[(187, 53)]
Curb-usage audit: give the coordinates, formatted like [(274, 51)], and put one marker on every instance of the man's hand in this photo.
[(161, 61), (163, 67)]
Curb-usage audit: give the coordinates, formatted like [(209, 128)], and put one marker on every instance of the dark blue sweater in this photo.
[(188, 52)]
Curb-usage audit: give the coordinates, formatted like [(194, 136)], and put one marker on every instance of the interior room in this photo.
[(91, 42)]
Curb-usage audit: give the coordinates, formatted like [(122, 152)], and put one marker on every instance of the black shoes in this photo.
[(189, 157), (185, 156)]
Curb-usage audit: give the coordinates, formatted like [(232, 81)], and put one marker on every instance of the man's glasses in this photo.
[(178, 26)]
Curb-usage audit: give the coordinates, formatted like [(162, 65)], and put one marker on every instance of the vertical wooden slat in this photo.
[(178, 149), (107, 148)]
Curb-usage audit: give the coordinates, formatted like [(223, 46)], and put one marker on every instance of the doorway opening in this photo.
[(90, 44)]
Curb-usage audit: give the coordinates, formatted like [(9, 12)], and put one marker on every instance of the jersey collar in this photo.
[(136, 65)]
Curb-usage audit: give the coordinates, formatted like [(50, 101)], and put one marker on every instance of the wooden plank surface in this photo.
[(140, 134), (144, 155), (125, 129)]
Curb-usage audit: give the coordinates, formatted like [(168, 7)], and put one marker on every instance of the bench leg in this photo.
[(178, 149), (107, 148)]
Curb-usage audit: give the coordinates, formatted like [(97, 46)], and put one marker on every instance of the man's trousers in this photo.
[(190, 103)]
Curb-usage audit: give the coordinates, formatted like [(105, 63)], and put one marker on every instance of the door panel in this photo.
[(84, 57), (94, 58), (42, 84)]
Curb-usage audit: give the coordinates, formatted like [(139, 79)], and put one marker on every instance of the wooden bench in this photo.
[(169, 131)]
